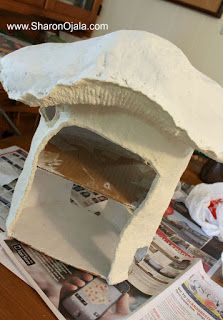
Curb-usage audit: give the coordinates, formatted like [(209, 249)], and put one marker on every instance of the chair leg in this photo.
[(5, 116)]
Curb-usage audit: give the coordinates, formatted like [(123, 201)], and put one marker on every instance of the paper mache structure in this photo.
[(121, 116)]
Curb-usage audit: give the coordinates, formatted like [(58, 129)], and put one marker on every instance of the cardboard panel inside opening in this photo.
[(99, 165), (50, 223)]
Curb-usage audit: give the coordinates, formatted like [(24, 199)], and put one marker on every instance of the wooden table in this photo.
[(20, 141), (18, 300)]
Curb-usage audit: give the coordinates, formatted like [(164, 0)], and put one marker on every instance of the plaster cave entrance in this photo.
[(90, 188)]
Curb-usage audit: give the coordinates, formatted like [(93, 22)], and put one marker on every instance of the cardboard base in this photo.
[(99, 165)]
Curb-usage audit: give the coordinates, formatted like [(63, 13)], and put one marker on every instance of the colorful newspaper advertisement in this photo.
[(193, 296), (70, 293), (73, 294)]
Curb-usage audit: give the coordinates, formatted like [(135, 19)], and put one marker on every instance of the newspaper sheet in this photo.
[(7, 262), (189, 236), (11, 164), (193, 296), (73, 294), (160, 266)]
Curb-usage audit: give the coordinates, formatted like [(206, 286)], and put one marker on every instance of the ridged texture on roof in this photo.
[(183, 101)]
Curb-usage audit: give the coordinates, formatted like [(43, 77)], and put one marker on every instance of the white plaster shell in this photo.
[(132, 88), (187, 104)]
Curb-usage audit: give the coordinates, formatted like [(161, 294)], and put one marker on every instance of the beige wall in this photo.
[(197, 34)]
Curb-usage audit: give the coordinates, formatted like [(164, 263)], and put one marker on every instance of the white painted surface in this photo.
[(173, 95), (197, 34)]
